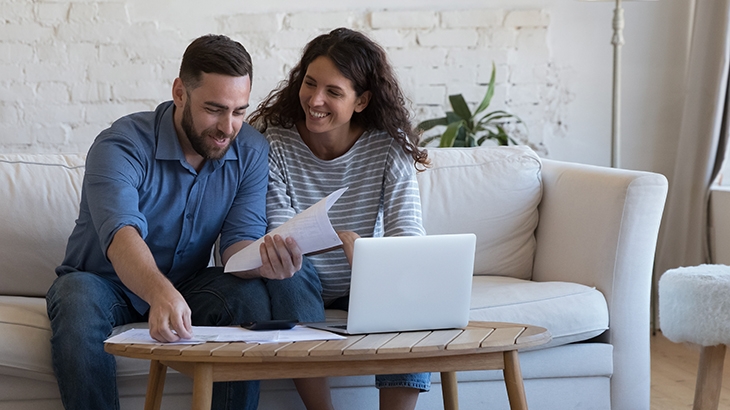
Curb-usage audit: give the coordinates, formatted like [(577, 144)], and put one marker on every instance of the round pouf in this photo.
[(694, 304), (694, 307)]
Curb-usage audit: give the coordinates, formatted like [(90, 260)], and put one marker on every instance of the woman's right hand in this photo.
[(348, 243)]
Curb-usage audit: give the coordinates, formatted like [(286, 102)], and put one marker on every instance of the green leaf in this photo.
[(451, 118), (502, 136), (428, 140), (490, 92), (428, 124), (496, 115), (498, 119), (449, 136), (460, 107)]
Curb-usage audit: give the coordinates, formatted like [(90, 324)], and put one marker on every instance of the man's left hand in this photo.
[(281, 257)]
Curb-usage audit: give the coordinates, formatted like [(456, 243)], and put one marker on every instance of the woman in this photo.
[(340, 120)]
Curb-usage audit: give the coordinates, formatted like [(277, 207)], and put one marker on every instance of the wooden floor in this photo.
[(673, 375)]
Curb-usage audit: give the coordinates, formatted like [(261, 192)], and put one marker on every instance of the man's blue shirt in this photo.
[(137, 175)]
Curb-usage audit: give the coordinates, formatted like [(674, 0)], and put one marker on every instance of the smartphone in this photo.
[(270, 325)]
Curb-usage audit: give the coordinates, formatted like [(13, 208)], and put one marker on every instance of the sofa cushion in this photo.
[(492, 192), (571, 312), (40, 202), (25, 341)]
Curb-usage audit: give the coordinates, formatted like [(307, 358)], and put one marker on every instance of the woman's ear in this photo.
[(362, 101)]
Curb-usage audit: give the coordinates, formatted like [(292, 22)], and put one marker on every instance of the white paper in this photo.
[(311, 229), (202, 334)]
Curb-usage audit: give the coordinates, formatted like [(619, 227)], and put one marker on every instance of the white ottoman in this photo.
[(694, 307)]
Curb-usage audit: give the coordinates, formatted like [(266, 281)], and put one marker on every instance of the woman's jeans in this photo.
[(300, 298), (84, 308)]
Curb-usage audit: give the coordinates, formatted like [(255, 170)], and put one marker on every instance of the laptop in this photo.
[(408, 283)]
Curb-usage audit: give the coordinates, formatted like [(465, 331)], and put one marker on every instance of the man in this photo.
[(159, 189)]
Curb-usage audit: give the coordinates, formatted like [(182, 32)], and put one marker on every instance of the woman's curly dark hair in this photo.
[(366, 65)]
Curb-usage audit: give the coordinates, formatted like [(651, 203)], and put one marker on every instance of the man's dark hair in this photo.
[(214, 54)]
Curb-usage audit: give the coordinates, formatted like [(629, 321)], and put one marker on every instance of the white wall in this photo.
[(67, 69)]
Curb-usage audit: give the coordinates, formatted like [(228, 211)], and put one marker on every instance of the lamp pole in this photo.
[(617, 41)]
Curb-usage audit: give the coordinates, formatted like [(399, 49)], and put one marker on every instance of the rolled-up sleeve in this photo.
[(114, 171), (246, 219)]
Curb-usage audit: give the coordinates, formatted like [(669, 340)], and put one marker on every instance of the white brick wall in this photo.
[(68, 69)]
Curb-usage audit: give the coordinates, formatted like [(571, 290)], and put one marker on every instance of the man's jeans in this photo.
[(84, 308)]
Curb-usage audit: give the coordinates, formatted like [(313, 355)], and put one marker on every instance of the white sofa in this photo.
[(566, 246)]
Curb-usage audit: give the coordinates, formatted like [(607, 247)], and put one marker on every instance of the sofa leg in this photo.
[(709, 378), (449, 390)]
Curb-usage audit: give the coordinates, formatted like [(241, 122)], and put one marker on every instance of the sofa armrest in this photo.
[(598, 226)]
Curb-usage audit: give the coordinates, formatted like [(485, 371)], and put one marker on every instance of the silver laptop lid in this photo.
[(411, 283)]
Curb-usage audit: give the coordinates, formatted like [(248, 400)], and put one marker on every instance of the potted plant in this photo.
[(467, 129)]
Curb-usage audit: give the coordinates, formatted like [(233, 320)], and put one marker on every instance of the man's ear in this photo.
[(362, 101), (179, 93)]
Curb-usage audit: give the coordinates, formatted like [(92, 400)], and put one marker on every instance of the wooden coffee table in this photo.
[(481, 346)]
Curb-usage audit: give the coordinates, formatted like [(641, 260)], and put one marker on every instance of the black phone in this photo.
[(270, 325)]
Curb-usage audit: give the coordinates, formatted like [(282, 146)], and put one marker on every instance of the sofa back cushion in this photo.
[(492, 192), (40, 202)]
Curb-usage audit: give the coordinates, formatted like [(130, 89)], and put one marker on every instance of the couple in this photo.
[(160, 187)]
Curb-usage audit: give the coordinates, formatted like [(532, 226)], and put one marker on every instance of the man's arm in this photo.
[(136, 267), (281, 258)]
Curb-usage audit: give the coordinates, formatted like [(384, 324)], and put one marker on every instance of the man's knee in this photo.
[(83, 299), (226, 299)]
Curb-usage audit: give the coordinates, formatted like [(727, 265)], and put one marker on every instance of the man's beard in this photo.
[(198, 141)]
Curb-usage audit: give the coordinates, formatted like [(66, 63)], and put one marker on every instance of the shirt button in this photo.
[(189, 216)]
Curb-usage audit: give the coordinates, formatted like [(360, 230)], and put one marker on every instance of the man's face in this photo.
[(213, 113)]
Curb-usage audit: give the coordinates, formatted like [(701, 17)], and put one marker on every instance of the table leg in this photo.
[(449, 390), (513, 381), (202, 386), (155, 385)]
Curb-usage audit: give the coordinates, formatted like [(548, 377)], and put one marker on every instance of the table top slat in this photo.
[(469, 339), (403, 343), (233, 349), (503, 336), (533, 334), (204, 349), (299, 349), (142, 348), (265, 349), (369, 344), (335, 347), (437, 340), (172, 350)]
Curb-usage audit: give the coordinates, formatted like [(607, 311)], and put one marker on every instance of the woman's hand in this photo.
[(348, 243)]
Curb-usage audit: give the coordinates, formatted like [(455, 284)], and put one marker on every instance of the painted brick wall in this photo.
[(68, 69)]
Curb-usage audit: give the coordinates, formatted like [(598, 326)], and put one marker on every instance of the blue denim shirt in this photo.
[(137, 175)]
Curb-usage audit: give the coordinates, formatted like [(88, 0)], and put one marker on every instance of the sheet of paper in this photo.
[(311, 229), (202, 334)]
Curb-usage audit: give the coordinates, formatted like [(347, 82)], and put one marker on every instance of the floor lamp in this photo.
[(617, 41)]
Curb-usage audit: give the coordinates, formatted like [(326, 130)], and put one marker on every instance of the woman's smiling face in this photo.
[(328, 98)]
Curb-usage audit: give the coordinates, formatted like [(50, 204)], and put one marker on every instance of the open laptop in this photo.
[(408, 283)]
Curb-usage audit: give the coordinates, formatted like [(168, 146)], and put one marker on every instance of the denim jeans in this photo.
[(420, 381), (84, 308), (299, 297)]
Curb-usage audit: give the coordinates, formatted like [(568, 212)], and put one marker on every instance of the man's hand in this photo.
[(137, 269), (169, 317), (348, 243), (281, 257)]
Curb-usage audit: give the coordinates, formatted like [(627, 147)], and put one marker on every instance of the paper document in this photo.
[(202, 334), (311, 229)]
